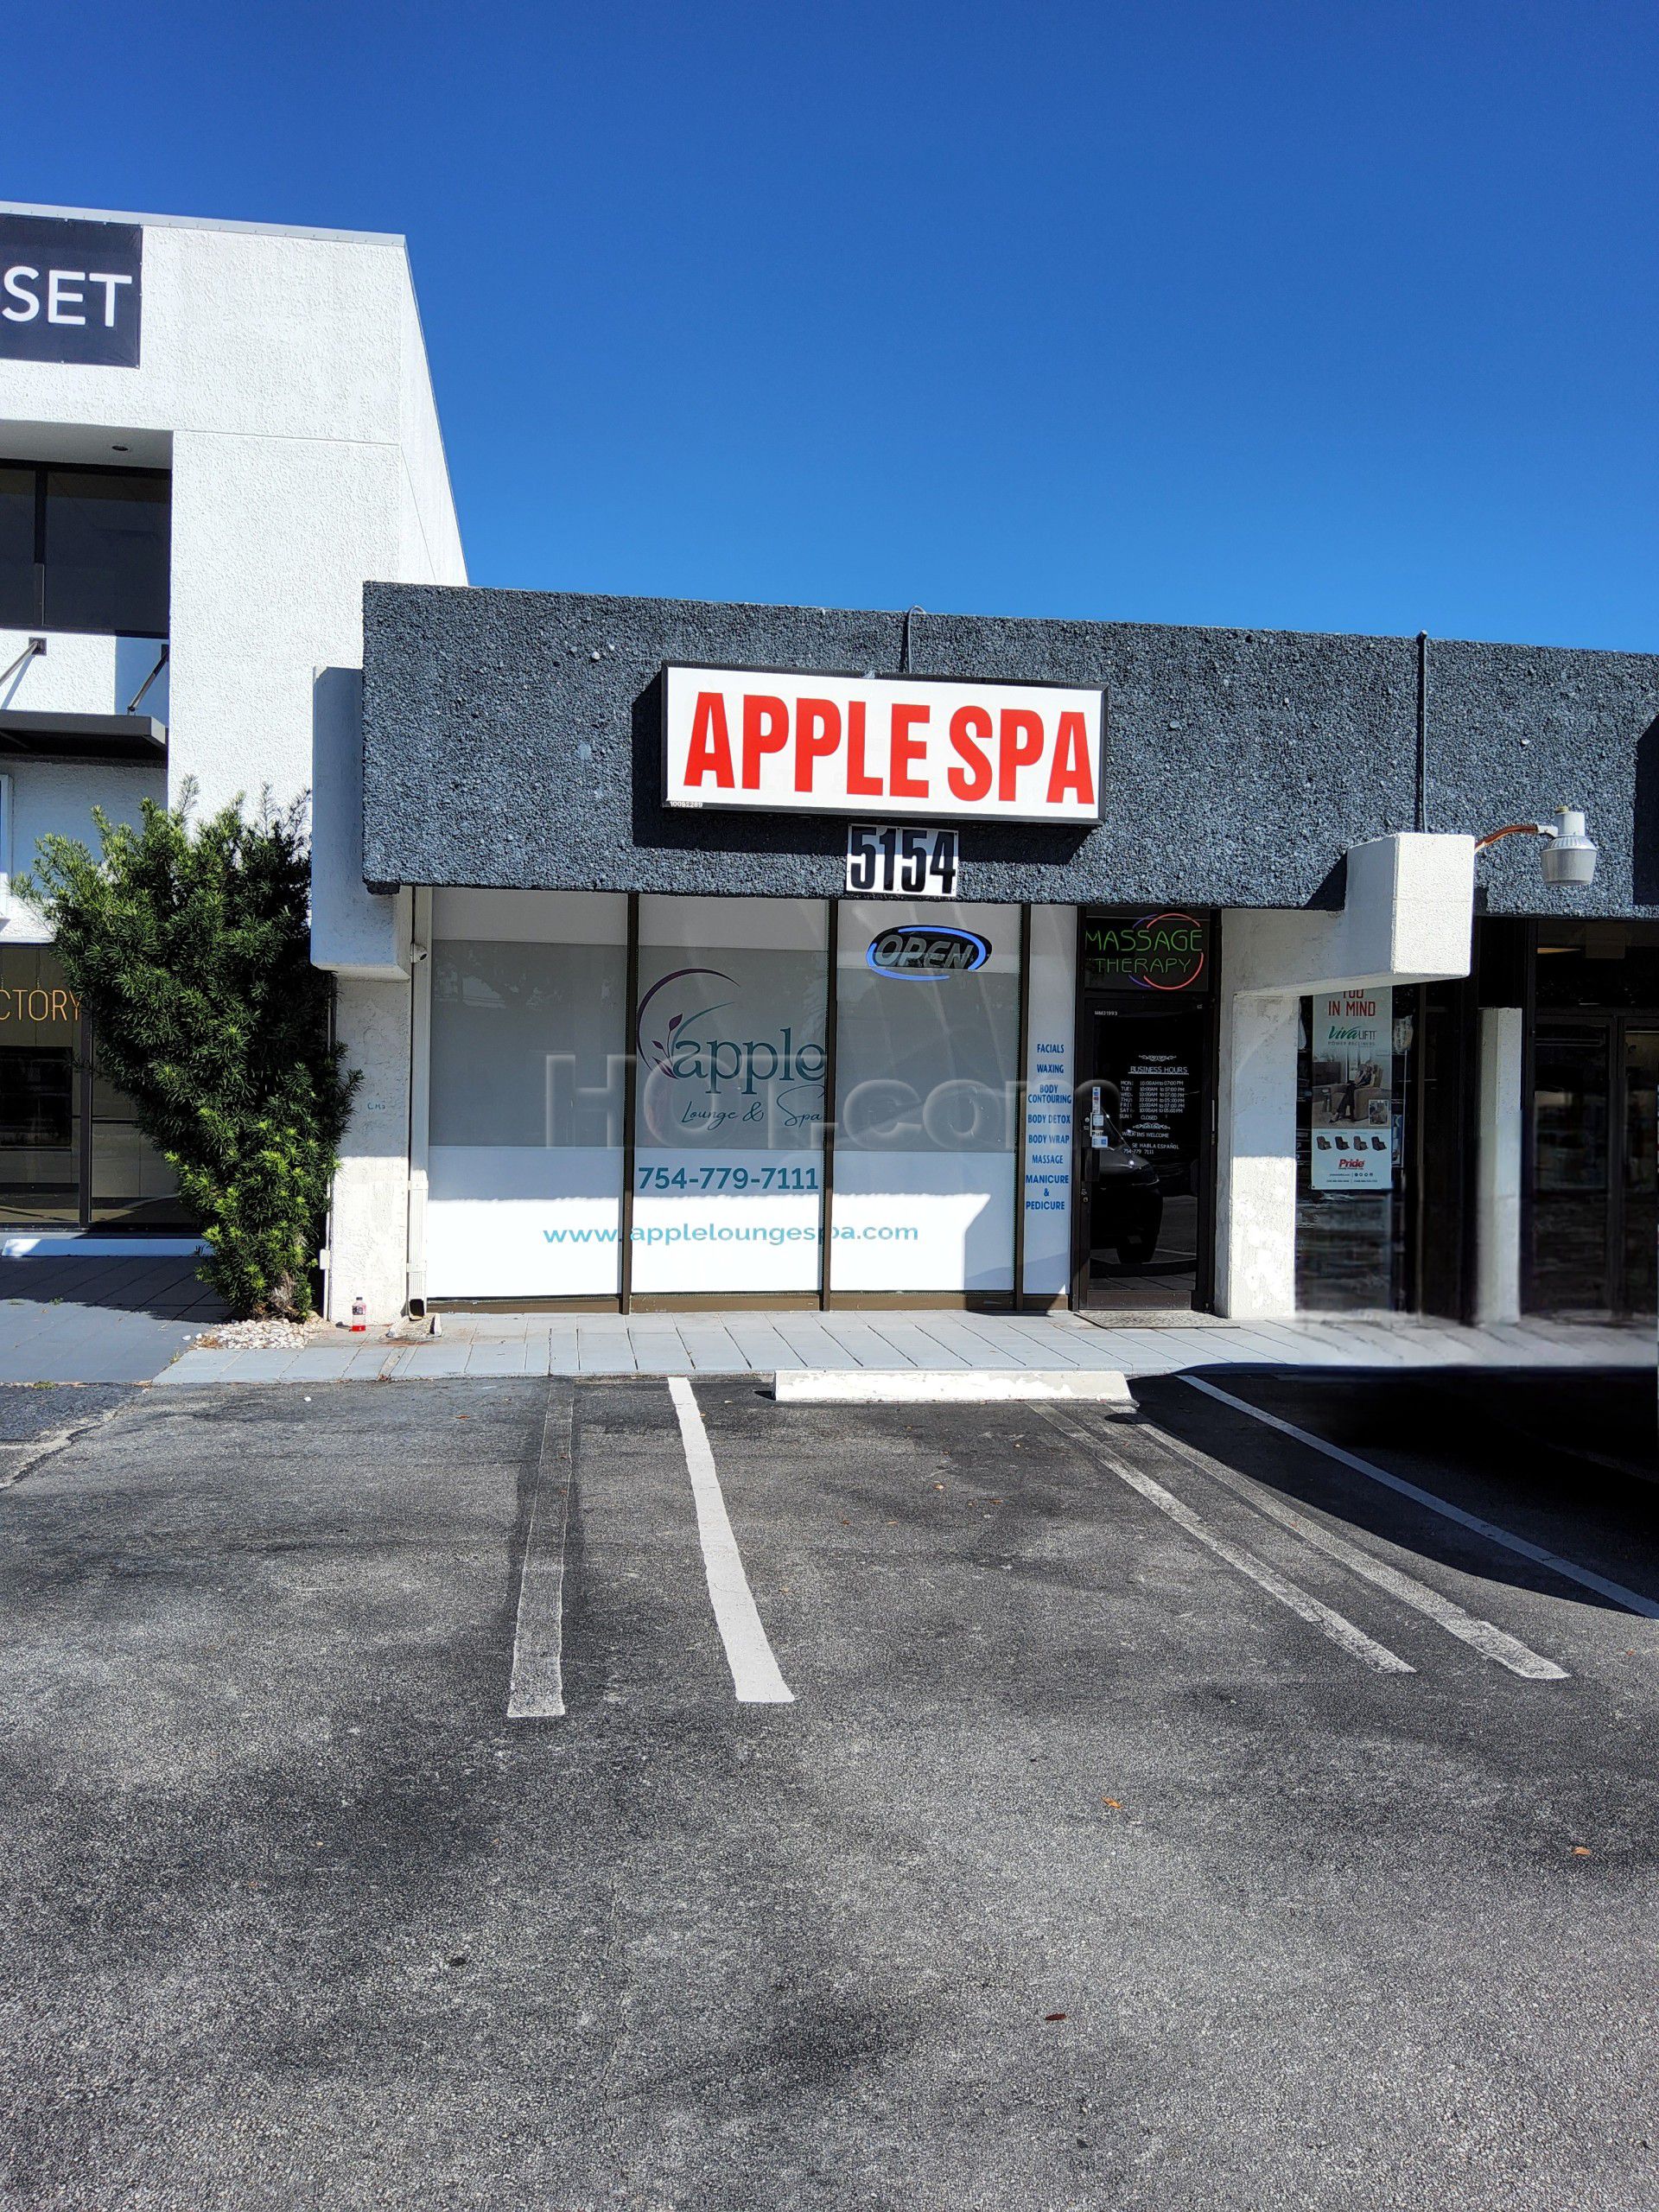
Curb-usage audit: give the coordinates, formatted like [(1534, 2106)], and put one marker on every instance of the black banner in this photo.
[(70, 290)]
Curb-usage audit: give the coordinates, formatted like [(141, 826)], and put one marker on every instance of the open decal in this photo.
[(926, 956)]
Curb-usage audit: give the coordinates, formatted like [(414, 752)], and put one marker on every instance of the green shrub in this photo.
[(190, 945)]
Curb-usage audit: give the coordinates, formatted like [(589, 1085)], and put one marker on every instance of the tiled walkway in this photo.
[(115, 1318), (104, 1318), (762, 1343)]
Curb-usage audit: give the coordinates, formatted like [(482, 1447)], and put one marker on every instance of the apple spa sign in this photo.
[(887, 744)]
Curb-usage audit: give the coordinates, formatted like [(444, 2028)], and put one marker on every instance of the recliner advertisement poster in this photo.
[(1351, 1108)]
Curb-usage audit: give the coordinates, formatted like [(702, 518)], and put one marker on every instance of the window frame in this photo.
[(7, 821), (41, 470)]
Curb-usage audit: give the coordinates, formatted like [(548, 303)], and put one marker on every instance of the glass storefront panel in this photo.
[(525, 1151), (41, 1089), (1612, 964), (927, 1087), (48, 1092), (132, 1185), (1593, 1210), (1571, 1134), (1641, 1222), (1354, 1071), (728, 1108)]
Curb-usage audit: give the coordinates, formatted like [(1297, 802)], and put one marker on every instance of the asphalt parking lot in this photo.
[(947, 1808)]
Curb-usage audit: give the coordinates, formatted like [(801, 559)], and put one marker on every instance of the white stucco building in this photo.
[(204, 511)]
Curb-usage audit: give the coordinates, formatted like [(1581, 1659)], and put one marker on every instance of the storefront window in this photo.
[(525, 1152), (132, 1185), (1354, 1071), (728, 1113), (1640, 1225), (40, 1089), (926, 1063), (1572, 1158), (71, 1151), (1595, 1183), (1597, 964)]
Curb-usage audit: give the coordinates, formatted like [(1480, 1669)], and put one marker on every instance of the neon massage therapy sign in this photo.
[(1167, 952)]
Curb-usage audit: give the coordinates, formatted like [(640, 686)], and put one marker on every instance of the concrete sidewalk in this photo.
[(767, 1343), (100, 1316)]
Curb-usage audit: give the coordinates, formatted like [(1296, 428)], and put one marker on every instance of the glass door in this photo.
[(1595, 1173), (1639, 1185), (1142, 1184), (1572, 1131)]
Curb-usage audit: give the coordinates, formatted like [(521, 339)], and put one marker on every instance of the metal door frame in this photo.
[(1209, 1009)]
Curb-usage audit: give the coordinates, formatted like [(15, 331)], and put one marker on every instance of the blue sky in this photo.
[(1332, 316)]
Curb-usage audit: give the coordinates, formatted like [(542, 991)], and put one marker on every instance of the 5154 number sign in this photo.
[(910, 863)]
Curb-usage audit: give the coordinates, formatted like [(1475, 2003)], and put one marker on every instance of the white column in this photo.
[(1500, 1134), (364, 937), (369, 1224), (1049, 1080), (420, 1095), (1255, 1163)]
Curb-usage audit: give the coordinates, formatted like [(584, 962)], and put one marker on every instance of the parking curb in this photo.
[(912, 1386)]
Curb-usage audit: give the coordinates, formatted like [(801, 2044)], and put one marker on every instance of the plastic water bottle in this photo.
[(359, 1315)]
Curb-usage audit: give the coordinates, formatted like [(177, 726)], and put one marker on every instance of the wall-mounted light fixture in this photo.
[(1568, 855)]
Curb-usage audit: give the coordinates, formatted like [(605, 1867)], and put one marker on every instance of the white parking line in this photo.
[(1341, 1630), (1632, 1600), (1490, 1641), (755, 1674), (537, 1687)]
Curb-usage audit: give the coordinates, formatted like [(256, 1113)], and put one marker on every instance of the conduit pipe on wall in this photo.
[(1422, 733)]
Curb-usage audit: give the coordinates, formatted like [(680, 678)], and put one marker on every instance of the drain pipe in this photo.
[(1422, 729)]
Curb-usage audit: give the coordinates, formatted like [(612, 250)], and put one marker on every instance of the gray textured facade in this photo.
[(513, 739)]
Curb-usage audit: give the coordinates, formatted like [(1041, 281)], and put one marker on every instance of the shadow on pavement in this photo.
[(166, 1289), (98, 1320), (1564, 1458)]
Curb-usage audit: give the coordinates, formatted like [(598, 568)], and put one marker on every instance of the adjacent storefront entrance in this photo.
[(1595, 1204), (1591, 1161), (71, 1154)]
